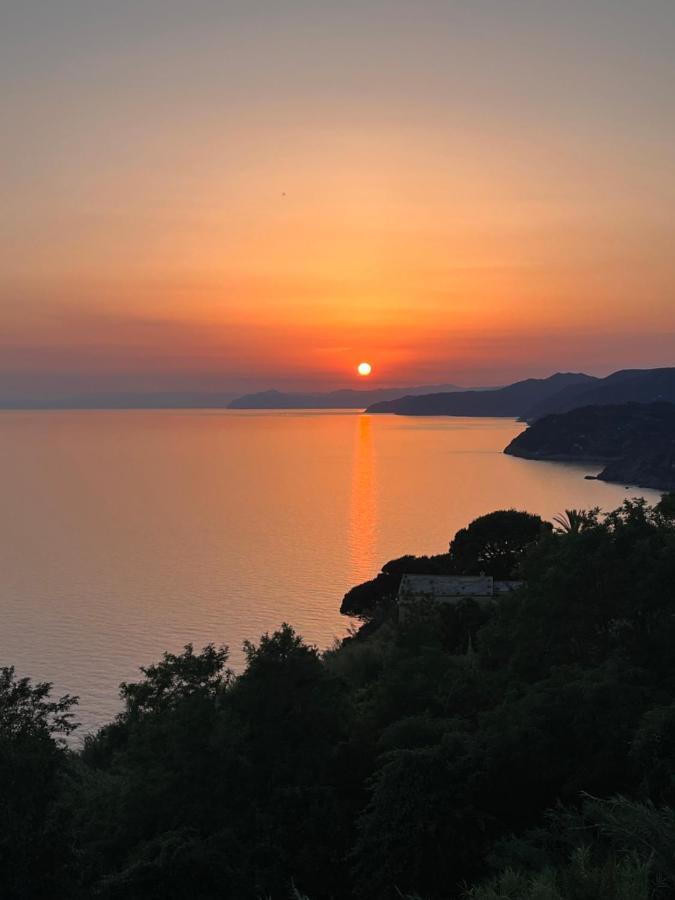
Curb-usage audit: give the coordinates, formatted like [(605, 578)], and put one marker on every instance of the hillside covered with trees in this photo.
[(635, 441), (524, 752)]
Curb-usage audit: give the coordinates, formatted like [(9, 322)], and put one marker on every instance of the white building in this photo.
[(423, 593)]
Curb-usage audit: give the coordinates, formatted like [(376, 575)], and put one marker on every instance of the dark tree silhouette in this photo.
[(496, 543)]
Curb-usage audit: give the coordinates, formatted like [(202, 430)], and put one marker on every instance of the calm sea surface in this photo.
[(126, 533)]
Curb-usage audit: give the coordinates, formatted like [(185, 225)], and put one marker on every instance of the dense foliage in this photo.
[(524, 752), (494, 544)]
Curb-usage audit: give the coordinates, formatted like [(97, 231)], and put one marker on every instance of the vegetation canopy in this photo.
[(523, 750)]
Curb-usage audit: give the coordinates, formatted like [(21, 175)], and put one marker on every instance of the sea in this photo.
[(127, 533)]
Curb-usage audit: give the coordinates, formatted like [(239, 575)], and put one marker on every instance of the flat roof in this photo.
[(448, 585)]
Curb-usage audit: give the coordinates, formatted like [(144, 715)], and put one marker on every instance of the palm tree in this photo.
[(575, 520)]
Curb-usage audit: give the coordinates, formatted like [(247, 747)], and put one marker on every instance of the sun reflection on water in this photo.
[(363, 508)]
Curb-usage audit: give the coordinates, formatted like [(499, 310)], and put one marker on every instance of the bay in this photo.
[(127, 533)]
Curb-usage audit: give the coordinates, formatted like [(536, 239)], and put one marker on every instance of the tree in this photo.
[(177, 677), (35, 854), (415, 759), (582, 879), (574, 520), (218, 782), (293, 714), (152, 799), (666, 506), (606, 589), (376, 597), (496, 543), (598, 849)]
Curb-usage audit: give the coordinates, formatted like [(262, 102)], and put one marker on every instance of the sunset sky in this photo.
[(233, 195)]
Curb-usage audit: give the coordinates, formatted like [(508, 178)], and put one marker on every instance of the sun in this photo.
[(364, 368)]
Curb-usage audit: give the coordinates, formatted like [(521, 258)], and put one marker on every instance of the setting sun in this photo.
[(212, 211)]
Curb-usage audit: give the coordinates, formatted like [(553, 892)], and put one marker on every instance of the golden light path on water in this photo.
[(363, 509), (125, 534)]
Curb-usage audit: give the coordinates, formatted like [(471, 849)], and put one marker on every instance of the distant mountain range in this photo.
[(342, 399), (528, 400), (635, 441), (531, 399), (514, 400), (625, 386)]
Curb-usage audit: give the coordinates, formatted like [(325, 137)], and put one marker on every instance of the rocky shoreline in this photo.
[(634, 442)]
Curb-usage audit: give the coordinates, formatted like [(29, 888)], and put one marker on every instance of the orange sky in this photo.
[(240, 196)]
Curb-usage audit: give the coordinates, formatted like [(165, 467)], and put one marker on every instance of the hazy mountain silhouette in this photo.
[(625, 386), (514, 400), (341, 399)]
